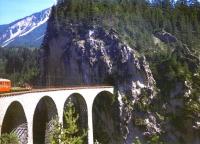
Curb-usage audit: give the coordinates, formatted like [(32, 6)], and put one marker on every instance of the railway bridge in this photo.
[(30, 113)]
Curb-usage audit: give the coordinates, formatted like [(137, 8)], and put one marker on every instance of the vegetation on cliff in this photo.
[(136, 20)]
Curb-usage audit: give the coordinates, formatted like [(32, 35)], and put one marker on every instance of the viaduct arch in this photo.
[(15, 121), (104, 112), (45, 111)]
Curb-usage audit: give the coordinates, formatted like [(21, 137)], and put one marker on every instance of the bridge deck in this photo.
[(51, 89)]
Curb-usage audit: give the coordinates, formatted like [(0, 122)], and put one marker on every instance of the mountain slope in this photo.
[(26, 32), (102, 42)]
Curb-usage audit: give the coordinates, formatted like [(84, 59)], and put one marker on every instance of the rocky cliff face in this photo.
[(85, 55), (91, 55)]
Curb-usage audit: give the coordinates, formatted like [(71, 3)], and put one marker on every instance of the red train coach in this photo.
[(5, 85)]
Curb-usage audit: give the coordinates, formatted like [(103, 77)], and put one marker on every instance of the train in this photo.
[(5, 85)]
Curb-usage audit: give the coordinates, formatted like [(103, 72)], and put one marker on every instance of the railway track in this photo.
[(35, 90)]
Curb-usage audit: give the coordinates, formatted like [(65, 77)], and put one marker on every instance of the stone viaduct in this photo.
[(30, 113)]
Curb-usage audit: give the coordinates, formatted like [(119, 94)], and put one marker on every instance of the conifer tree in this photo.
[(69, 134)]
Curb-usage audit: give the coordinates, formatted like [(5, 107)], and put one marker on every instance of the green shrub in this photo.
[(10, 138)]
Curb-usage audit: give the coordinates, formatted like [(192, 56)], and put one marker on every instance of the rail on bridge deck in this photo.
[(46, 89)]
